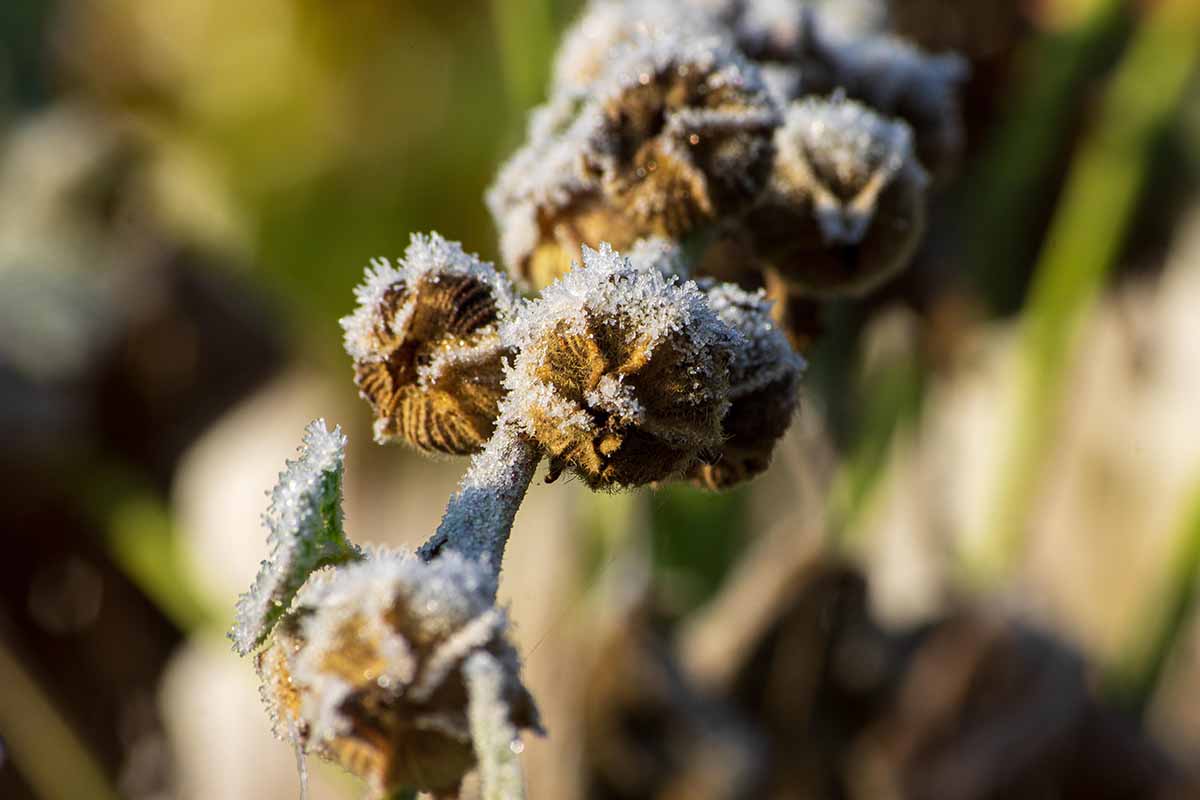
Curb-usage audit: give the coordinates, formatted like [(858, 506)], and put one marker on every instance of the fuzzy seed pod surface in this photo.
[(675, 135), (622, 374), (764, 386), (426, 348), (367, 670), (846, 206)]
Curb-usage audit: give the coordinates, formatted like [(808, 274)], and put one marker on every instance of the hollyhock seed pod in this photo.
[(367, 669), (621, 374), (675, 135), (764, 384), (845, 209), (427, 353)]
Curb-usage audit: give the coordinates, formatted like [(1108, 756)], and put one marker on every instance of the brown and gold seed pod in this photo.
[(367, 671), (686, 135), (846, 206), (764, 386), (622, 373), (426, 347), (676, 135)]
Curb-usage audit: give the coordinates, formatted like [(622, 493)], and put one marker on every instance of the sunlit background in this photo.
[(189, 190)]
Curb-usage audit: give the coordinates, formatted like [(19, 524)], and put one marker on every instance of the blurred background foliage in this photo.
[(190, 189)]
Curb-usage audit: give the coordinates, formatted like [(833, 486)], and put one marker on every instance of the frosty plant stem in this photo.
[(479, 517)]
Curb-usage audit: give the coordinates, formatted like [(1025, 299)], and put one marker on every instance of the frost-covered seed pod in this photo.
[(367, 669), (899, 80), (621, 374), (846, 206), (426, 348), (764, 386), (675, 135)]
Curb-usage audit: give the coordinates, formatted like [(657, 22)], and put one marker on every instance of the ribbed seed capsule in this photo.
[(367, 670), (764, 385), (845, 209), (426, 347), (675, 135), (622, 374)]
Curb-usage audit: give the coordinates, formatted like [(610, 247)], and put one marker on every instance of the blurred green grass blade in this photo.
[(1168, 609), (1085, 240), (44, 748), (892, 399), (143, 544), (1002, 217)]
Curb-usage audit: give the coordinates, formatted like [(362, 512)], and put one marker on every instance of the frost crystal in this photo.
[(765, 357), (660, 255), (305, 524), (608, 25)]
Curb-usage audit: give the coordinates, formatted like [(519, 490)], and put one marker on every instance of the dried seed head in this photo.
[(686, 135), (674, 135), (845, 209), (899, 80), (426, 349), (622, 374), (367, 671), (764, 384)]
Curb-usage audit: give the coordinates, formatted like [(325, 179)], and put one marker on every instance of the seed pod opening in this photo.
[(366, 671), (426, 348), (675, 135), (845, 209), (622, 374), (764, 385)]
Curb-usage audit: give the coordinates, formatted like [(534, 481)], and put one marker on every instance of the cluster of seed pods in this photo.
[(704, 175)]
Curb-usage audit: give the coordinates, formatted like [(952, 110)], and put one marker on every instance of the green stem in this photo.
[(1166, 615), (1084, 242)]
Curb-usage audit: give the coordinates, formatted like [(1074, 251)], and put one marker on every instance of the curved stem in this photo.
[(480, 515)]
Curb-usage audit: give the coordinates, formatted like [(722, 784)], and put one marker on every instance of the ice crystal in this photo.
[(765, 356), (607, 26), (660, 255), (305, 524)]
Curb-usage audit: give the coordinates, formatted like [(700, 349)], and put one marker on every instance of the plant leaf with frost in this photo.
[(305, 524)]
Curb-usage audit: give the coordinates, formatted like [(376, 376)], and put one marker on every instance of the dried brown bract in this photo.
[(622, 374), (846, 205), (764, 386), (426, 347)]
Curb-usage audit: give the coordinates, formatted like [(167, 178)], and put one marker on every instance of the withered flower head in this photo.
[(845, 208), (367, 669), (622, 374), (675, 135), (900, 80), (764, 386), (426, 348)]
